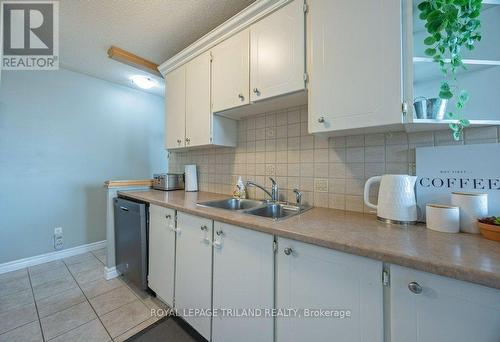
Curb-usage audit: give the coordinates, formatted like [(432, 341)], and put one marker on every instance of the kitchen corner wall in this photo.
[(62, 134), (330, 171)]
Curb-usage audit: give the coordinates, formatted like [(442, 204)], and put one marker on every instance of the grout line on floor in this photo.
[(99, 318), (36, 305), (88, 301), (25, 324)]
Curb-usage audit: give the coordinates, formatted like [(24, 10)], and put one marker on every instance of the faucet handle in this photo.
[(298, 196), (272, 181)]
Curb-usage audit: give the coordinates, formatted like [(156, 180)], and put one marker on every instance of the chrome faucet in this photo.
[(274, 194), (298, 196)]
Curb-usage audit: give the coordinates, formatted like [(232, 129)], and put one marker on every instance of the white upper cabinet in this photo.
[(243, 279), (354, 50), (231, 73), (312, 277), (189, 119), (277, 53), (198, 113), (175, 113), (429, 308), (162, 253)]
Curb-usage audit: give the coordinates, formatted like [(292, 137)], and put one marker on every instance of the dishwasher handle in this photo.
[(123, 208)]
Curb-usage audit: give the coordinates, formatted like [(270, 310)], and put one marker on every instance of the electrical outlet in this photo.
[(320, 185), (58, 238)]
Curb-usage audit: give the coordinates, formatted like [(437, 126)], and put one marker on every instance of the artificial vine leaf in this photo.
[(445, 95), (464, 96), (429, 40), (424, 5), (430, 52), (465, 122), (453, 27)]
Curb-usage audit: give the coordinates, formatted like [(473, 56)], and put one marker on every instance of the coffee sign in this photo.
[(466, 168)]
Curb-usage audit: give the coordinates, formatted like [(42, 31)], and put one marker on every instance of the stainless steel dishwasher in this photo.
[(131, 241)]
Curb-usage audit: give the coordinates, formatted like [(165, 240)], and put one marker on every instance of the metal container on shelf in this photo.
[(432, 108)]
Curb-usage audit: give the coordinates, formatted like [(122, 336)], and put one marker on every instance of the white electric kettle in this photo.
[(396, 198)]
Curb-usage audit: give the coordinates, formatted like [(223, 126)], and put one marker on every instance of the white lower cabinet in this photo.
[(430, 308), (162, 252), (319, 294), (193, 271), (313, 278), (243, 280)]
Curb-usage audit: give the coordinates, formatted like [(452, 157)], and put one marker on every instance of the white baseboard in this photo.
[(110, 273), (42, 258)]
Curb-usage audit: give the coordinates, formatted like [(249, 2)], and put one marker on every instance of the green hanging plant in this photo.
[(452, 26)]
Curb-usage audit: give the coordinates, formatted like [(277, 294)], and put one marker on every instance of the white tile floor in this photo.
[(69, 300)]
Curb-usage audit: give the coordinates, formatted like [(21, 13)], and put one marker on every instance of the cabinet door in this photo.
[(243, 279), (447, 310), (193, 272), (175, 98), (198, 112), (231, 72), (354, 50), (162, 253), (277, 53), (312, 277)]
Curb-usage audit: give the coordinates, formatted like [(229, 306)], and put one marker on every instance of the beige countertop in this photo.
[(462, 256)]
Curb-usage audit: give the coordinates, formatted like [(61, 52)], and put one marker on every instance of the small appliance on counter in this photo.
[(168, 181), (397, 202)]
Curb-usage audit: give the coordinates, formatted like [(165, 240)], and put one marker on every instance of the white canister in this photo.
[(472, 206), (443, 218), (191, 175)]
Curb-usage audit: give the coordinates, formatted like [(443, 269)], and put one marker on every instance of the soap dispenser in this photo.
[(239, 189)]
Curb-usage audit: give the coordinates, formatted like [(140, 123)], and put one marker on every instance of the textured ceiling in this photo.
[(153, 29)]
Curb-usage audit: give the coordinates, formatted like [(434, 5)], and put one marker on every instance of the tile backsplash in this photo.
[(331, 172)]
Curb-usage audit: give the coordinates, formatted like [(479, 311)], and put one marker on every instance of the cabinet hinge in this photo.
[(404, 108), (386, 278), (211, 57), (211, 139), (275, 246), (305, 7), (306, 77)]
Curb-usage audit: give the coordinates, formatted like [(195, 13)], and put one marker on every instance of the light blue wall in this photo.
[(62, 134)]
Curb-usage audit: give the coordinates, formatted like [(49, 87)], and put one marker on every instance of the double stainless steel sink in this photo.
[(268, 209)]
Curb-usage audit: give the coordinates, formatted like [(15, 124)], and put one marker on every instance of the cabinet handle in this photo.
[(415, 287), (256, 91), (168, 217), (179, 141), (204, 227), (321, 119), (219, 233), (242, 98), (288, 250), (188, 140)]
